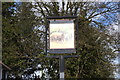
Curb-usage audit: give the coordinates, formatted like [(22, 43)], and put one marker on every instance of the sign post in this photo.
[(62, 65), (61, 39)]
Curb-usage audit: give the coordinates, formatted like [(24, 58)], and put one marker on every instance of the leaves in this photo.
[(21, 45), (24, 33)]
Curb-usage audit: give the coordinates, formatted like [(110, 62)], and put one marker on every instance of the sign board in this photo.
[(62, 36)]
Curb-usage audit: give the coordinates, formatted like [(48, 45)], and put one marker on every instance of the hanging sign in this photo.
[(62, 36)]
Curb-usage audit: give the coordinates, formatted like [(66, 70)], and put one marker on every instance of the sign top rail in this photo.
[(61, 17)]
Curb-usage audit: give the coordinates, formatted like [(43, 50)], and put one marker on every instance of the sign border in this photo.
[(61, 51)]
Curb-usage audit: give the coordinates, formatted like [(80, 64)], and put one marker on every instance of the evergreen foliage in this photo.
[(24, 33)]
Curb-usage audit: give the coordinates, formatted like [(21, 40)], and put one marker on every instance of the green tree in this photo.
[(23, 39), (94, 41)]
